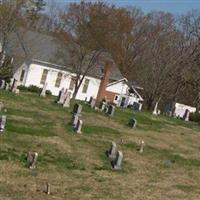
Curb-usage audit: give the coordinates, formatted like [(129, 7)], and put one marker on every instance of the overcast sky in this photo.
[(174, 6)]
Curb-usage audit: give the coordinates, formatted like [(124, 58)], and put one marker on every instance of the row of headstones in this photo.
[(103, 106), (6, 86), (76, 122), (116, 157), (64, 98), (185, 117), (109, 109)]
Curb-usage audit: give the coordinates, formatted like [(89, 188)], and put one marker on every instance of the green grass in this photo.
[(99, 130), (76, 164)]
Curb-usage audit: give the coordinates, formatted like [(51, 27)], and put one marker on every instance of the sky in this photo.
[(174, 6)]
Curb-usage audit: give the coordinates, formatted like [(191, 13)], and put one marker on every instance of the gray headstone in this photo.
[(7, 86), (14, 86), (137, 106), (186, 115), (112, 152), (102, 105), (85, 102), (132, 123), (92, 102), (74, 120), (32, 159), (67, 100), (77, 109), (60, 99), (116, 164), (79, 126), (43, 92), (2, 122), (111, 110)]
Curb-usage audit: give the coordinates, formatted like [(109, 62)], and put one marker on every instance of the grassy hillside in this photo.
[(76, 165)]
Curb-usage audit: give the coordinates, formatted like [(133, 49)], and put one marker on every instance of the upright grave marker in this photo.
[(111, 110), (14, 86), (2, 122), (112, 152), (43, 92), (132, 123), (67, 100), (32, 159), (79, 126), (116, 164)]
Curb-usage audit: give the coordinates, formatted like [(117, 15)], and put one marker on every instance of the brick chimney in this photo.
[(104, 81)]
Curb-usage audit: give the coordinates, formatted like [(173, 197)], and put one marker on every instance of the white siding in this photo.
[(34, 74), (119, 88), (181, 108)]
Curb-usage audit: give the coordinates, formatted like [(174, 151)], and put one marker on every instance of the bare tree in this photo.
[(90, 31)]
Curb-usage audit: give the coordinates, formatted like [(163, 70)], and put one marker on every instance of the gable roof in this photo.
[(37, 47)]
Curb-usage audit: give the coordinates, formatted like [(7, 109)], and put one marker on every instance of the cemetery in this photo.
[(58, 148)]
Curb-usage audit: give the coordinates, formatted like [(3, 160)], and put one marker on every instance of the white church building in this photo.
[(40, 65)]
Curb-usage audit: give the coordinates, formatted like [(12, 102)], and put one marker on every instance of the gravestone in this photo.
[(186, 115), (132, 123), (74, 120), (102, 105), (112, 152), (111, 110), (92, 102), (7, 86), (32, 159), (67, 100), (155, 111), (141, 147), (2, 122), (48, 188), (79, 126), (43, 92), (85, 101), (117, 162), (61, 96), (14, 86), (106, 108), (137, 106), (2, 84), (77, 109)]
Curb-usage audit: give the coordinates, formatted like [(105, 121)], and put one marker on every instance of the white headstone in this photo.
[(2, 123), (142, 147), (102, 105), (67, 100), (61, 96), (2, 86), (112, 152), (79, 126), (32, 159), (43, 92)]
